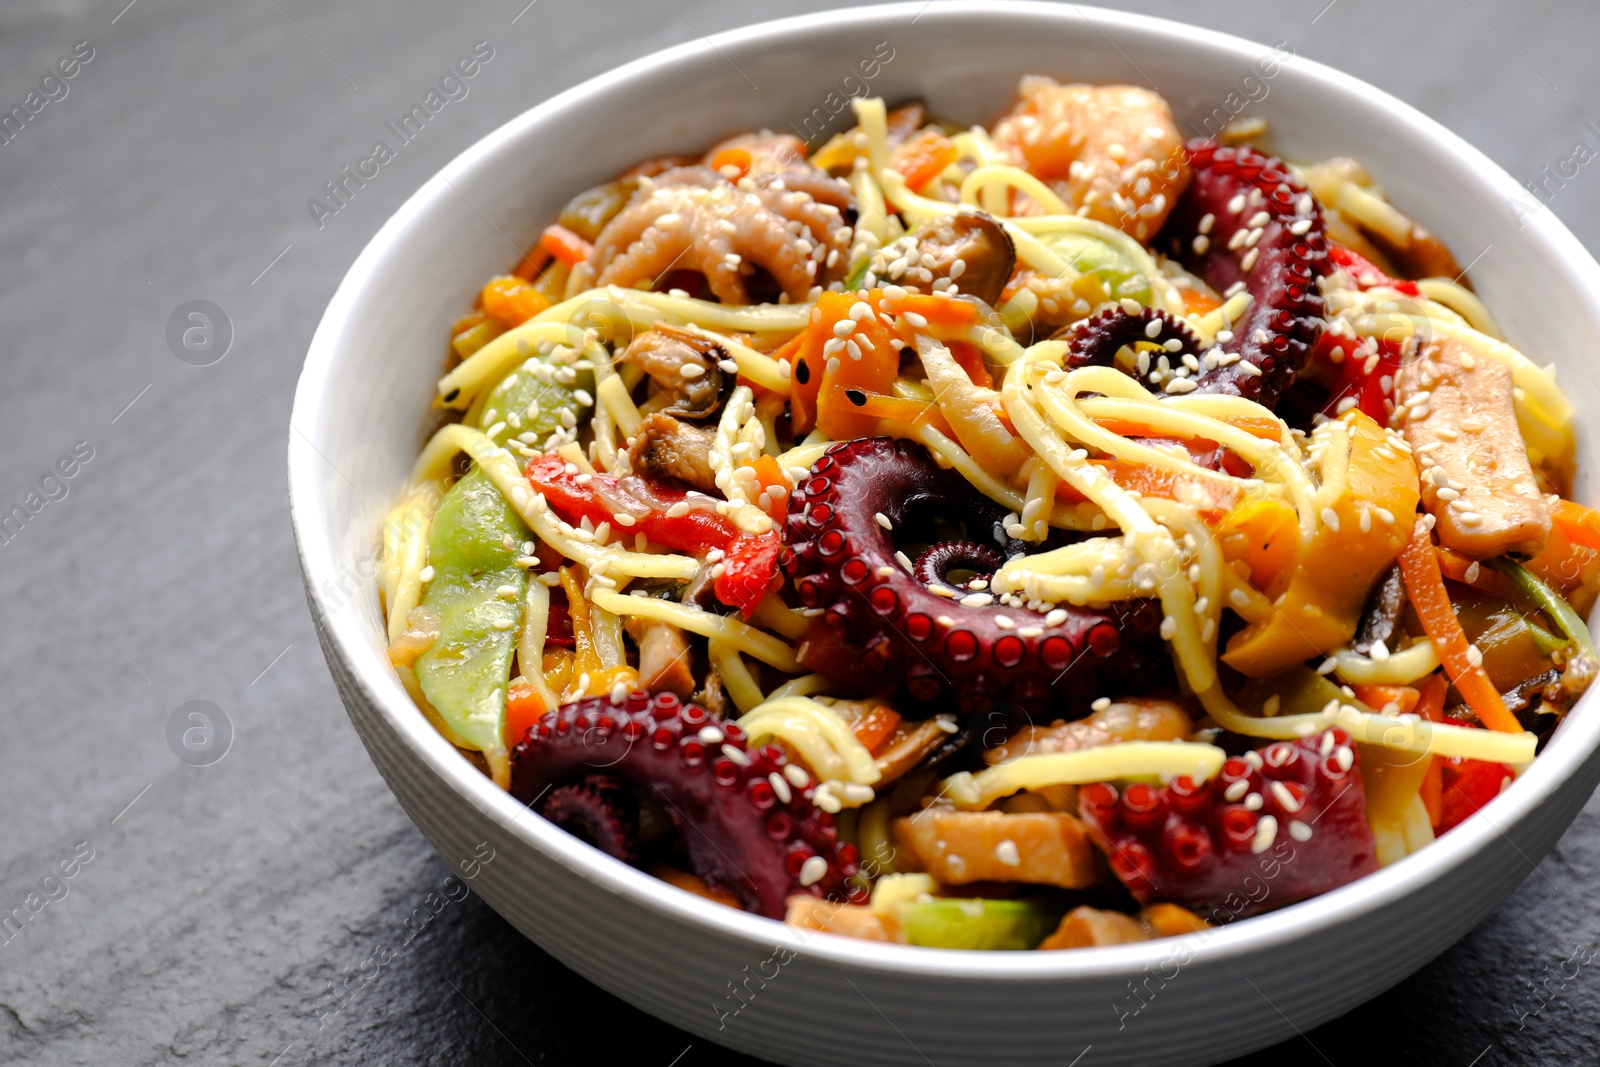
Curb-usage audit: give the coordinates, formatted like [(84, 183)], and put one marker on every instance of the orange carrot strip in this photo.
[(1378, 697), (565, 245), (876, 726), (1424, 582)]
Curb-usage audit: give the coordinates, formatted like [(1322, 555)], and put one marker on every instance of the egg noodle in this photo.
[(1104, 504)]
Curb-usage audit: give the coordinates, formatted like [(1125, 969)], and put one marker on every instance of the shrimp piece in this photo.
[(1113, 152)]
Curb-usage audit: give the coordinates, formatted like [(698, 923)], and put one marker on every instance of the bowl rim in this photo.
[(318, 555)]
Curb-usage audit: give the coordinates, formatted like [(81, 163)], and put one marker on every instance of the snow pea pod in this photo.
[(526, 402), (476, 592)]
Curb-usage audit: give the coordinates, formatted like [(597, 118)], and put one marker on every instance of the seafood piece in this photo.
[(1143, 719), (664, 449), (1457, 413), (881, 625), (1291, 816), (1112, 152), (960, 847), (968, 252), (692, 218), (726, 799), (664, 660), (686, 369), (1246, 224)]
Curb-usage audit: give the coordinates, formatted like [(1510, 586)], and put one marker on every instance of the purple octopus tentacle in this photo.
[(880, 625), (1246, 224)]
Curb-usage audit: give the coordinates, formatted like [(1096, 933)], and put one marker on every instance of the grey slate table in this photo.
[(210, 908)]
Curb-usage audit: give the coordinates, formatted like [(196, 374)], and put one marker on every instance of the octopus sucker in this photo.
[(881, 625), (1246, 224)]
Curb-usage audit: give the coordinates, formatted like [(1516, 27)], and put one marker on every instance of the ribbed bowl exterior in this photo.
[(756, 985)]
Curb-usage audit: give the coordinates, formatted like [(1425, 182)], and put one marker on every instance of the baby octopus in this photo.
[(1112, 152), (727, 799), (1245, 224), (886, 623), (693, 218)]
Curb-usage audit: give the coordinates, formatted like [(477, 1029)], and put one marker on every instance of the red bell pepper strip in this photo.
[(1468, 784), (1370, 388), (1367, 275), (749, 562)]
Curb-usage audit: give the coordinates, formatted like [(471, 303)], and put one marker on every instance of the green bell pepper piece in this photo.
[(465, 671)]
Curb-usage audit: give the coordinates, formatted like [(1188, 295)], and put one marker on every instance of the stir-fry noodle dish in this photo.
[(1036, 536)]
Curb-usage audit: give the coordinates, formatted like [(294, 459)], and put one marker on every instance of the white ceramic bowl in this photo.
[(361, 413)]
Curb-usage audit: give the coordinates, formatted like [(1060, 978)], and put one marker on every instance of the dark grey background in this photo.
[(221, 901)]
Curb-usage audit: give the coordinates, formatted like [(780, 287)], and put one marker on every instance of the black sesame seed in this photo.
[(857, 397), (802, 372), (451, 395)]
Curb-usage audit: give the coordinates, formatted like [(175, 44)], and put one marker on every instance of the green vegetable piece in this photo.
[(523, 391), (949, 922), (1119, 274), (1549, 601), (465, 671)]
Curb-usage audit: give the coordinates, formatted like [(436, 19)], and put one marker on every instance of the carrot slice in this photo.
[(876, 726), (1377, 697), (524, 708), (1430, 706), (565, 245), (1424, 582)]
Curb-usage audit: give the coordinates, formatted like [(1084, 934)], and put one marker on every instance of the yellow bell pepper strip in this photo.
[(1419, 569), (1359, 533), (476, 592)]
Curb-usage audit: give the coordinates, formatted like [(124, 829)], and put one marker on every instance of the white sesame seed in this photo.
[(780, 787), (1285, 799), (1236, 790), (813, 870), (711, 735), (736, 755), (1006, 852), (1299, 830), (1266, 832)]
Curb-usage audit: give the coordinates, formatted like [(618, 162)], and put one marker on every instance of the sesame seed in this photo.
[(1006, 852), (1169, 628), (1343, 757), (426, 574), (1236, 790), (1285, 799), (1056, 617), (1330, 519), (736, 755), (1266, 832), (781, 788), (796, 775), (711, 735), (1253, 802), (1299, 830), (977, 600), (813, 870), (1327, 666)]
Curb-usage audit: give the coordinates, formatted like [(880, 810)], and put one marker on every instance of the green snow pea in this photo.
[(536, 403), (477, 593)]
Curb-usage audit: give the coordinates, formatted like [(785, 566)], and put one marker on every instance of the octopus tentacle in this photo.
[(692, 218), (599, 809), (1095, 341), (1245, 223), (932, 567), (726, 798), (882, 626)]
